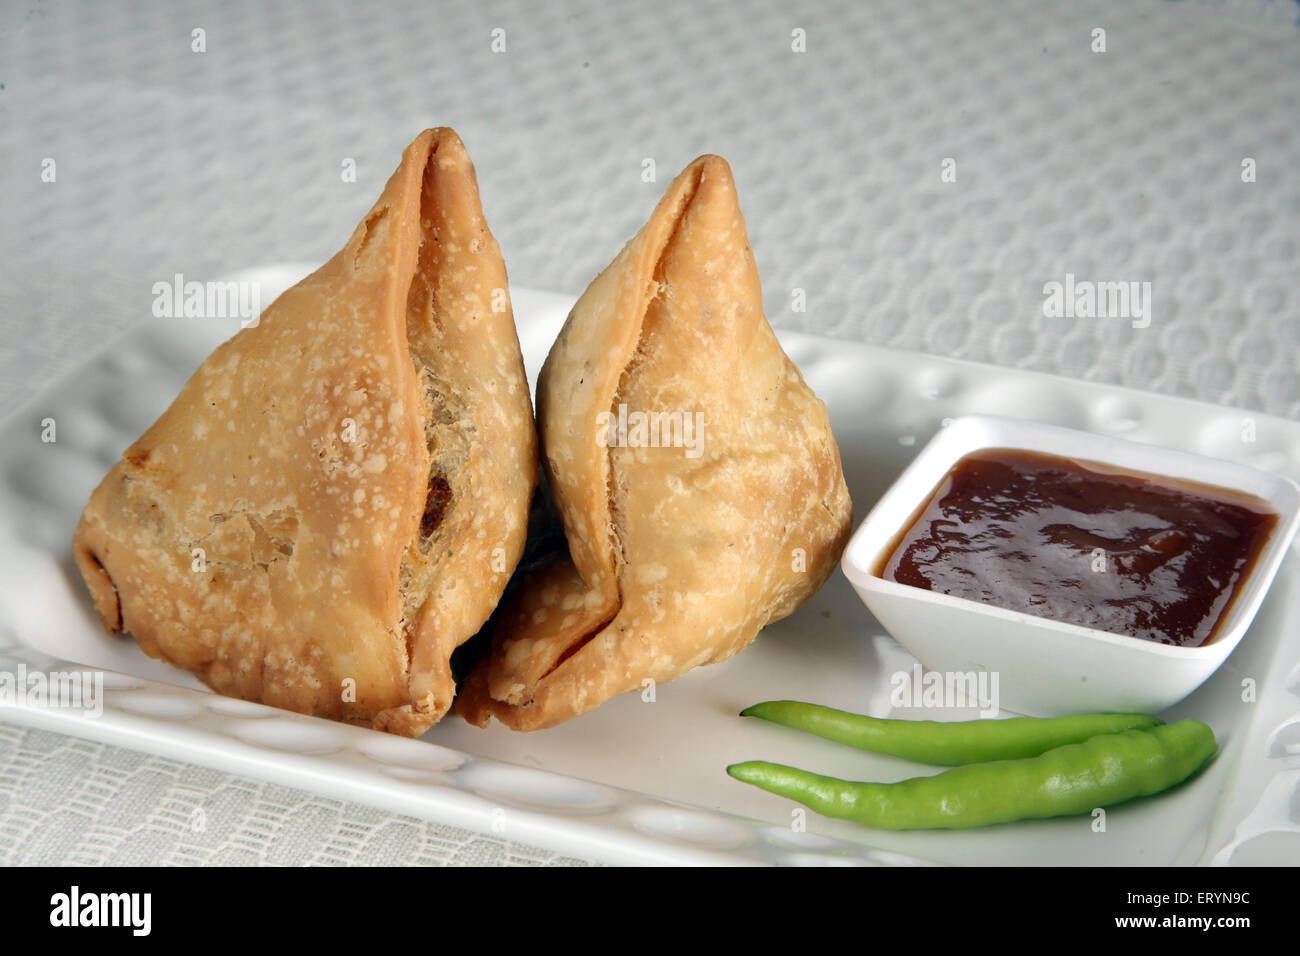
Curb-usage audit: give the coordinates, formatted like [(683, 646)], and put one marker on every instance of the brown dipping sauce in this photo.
[(1021, 530)]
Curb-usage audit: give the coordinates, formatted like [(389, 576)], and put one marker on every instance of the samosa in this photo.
[(338, 496), (694, 472)]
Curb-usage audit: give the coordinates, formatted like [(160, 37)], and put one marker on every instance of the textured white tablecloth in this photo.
[(1118, 165)]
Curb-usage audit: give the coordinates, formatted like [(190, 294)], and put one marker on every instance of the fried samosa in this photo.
[(695, 474), (338, 496)]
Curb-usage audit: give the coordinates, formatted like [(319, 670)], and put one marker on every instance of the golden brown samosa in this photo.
[(689, 531), (338, 496)]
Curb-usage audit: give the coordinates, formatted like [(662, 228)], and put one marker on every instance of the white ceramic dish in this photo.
[(1049, 668), (639, 781)]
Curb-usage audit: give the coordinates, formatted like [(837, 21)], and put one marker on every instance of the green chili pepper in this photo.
[(947, 743), (1072, 779)]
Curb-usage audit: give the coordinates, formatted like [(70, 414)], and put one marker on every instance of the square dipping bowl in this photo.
[(1049, 668)]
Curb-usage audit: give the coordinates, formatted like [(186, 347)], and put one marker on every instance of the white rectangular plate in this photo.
[(643, 781)]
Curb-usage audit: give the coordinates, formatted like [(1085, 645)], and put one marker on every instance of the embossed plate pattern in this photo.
[(643, 781)]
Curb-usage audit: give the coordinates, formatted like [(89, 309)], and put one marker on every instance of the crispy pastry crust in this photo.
[(674, 561), (356, 470)]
